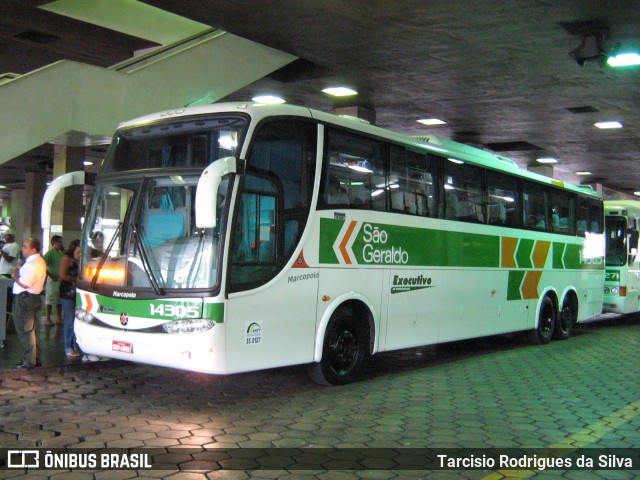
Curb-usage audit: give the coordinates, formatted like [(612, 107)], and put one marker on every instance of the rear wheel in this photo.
[(546, 323), (566, 319), (344, 351)]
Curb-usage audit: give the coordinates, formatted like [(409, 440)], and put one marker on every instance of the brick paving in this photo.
[(497, 392)]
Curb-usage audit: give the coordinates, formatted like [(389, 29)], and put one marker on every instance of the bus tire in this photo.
[(543, 332), (344, 350), (566, 318)]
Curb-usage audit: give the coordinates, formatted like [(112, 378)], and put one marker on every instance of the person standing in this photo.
[(29, 281), (52, 258), (68, 275), (9, 254), (8, 260)]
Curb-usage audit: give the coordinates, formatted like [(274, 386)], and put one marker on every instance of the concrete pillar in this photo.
[(546, 170), (359, 111), (6, 208), (16, 212), (67, 207), (36, 184)]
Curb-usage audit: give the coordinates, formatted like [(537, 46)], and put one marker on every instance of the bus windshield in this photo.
[(141, 233), (616, 241)]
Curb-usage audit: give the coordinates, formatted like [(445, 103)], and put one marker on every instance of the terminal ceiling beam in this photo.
[(77, 104)]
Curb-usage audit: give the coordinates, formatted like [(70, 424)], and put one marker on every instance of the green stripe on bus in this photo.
[(329, 230), (523, 253), (160, 309), (366, 243), (514, 283), (380, 244), (558, 253)]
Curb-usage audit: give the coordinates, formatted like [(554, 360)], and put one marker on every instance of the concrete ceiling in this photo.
[(499, 73)]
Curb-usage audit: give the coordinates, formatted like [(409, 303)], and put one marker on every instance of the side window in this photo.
[(561, 212), (354, 172), (582, 216), (463, 192), (534, 206), (413, 182), (589, 216), (273, 203), (502, 200), (596, 216)]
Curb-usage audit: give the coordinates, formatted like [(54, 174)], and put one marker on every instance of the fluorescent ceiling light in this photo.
[(583, 173), (624, 59), (637, 194), (268, 99), (547, 160), (87, 163), (431, 121), (3, 186), (611, 124), (339, 91)]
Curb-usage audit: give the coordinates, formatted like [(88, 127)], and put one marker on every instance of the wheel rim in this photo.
[(546, 322), (344, 351), (566, 318)]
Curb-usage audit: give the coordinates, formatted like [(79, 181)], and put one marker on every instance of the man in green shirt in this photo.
[(52, 258)]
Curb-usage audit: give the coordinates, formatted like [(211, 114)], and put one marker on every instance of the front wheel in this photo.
[(543, 331), (344, 351)]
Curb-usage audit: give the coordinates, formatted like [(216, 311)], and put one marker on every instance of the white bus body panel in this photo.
[(284, 311)]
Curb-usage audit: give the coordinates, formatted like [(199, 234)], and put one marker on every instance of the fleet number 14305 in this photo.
[(175, 311)]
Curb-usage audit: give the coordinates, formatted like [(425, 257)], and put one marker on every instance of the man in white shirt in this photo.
[(8, 260), (29, 281), (9, 254)]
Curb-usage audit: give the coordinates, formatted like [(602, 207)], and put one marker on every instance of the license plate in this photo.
[(123, 347)]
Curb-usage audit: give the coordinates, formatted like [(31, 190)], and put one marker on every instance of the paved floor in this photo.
[(497, 392), (49, 341)]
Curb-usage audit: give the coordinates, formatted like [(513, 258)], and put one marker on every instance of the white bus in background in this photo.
[(252, 236), (622, 275)]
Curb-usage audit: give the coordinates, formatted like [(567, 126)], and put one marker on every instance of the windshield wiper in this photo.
[(145, 262), (102, 261)]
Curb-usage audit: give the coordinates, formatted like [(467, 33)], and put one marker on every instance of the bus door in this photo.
[(270, 317), (633, 265)]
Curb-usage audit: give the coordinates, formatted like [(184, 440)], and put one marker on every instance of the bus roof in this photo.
[(428, 143), (615, 207)]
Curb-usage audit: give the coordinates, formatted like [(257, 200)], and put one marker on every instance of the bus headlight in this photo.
[(84, 316), (188, 326), (607, 290), (614, 291)]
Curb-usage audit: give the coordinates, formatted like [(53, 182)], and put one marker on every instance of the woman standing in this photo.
[(68, 275)]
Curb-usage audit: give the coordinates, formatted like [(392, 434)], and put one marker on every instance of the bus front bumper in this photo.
[(196, 352)]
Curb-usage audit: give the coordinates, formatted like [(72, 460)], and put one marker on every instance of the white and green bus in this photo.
[(622, 262), (232, 237)]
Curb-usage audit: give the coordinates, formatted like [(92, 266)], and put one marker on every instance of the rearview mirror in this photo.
[(207, 189)]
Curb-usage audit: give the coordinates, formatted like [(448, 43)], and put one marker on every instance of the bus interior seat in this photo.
[(451, 208), (497, 214), (564, 224), (582, 226), (162, 226)]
